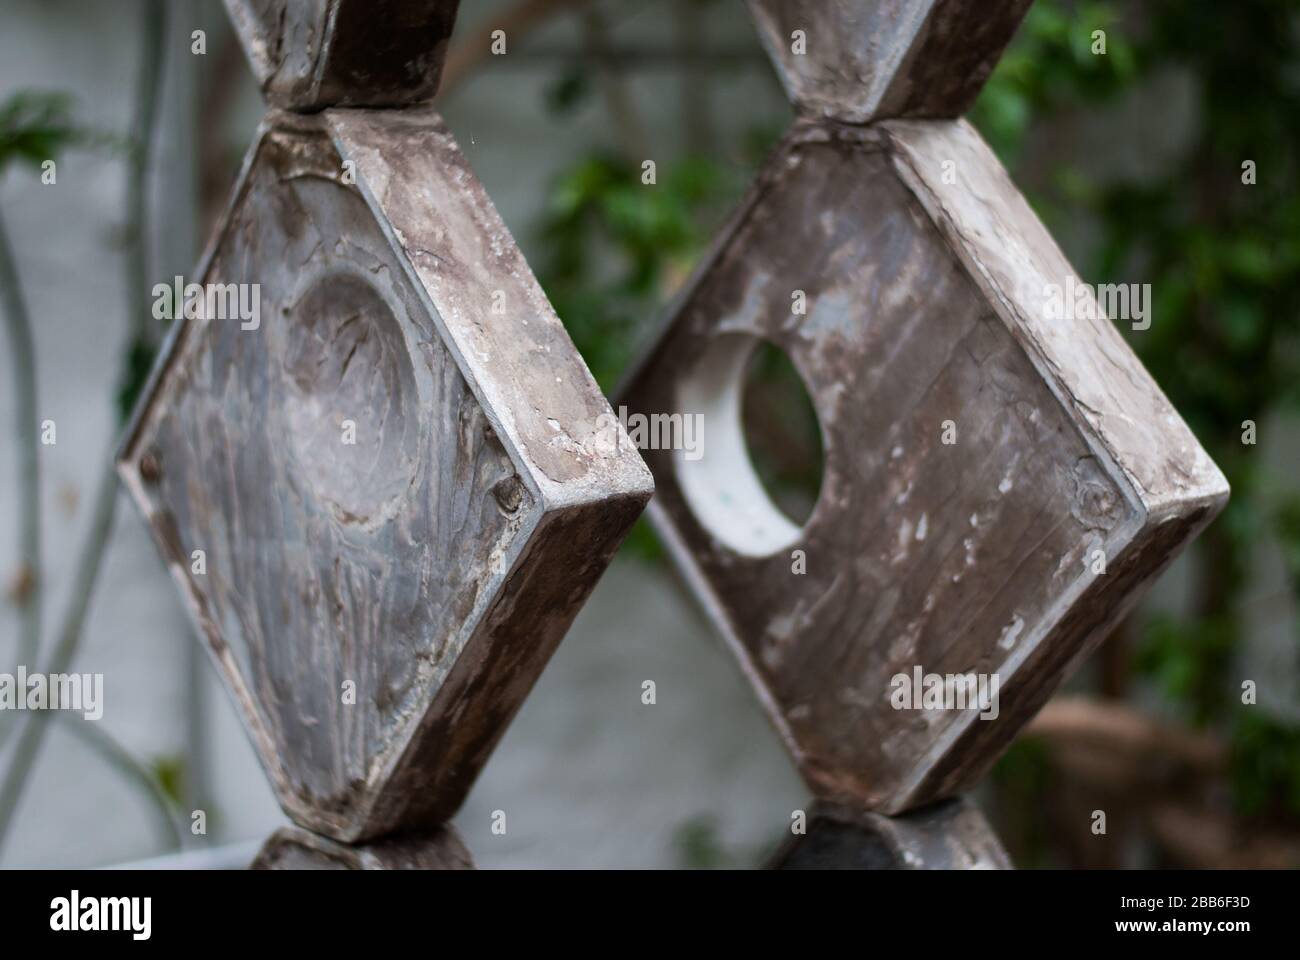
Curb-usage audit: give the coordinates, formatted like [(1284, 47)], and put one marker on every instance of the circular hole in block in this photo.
[(351, 403), (754, 478), (782, 433)]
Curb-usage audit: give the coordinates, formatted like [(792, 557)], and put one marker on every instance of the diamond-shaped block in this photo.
[(998, 485), (309, 54), (863, 60), (397, 473)]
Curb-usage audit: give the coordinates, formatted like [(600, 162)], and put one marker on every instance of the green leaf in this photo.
[(36, 126), (135, 373), (169, 772)]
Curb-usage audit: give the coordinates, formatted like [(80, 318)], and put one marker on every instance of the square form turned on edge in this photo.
[(398, 480), (924, 275)]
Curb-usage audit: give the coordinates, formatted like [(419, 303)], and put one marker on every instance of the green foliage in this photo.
[(1024, 775), (782, 433), (1222, 258), (570, 89), (1187, 659), (36, 126), (1051, 65), (169, 772), (1266, 764), (612, 244), (698, 845), (1288, 532), (613, 247), (135, 373), (1223, 261)]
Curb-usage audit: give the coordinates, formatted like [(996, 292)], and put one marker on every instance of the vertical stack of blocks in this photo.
[(402, 484), (999, 484), (398, 477)]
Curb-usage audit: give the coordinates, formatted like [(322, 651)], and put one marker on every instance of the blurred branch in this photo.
[(1116, 744), (28, 589), (69, 639), (517, 21), (1204, 839), (144, 334), (1146, 771), (148, 92), (619, 104), (1166, 776), (689, 32), (35, 127), (120, 760), (1115, 660), (625, 58)]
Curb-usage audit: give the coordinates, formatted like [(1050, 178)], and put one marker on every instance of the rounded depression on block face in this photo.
[(337, 470), (351, 411)]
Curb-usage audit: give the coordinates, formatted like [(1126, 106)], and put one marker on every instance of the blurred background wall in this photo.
[(1134, 159)]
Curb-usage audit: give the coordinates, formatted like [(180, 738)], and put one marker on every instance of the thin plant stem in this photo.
[(148, 95), (144, 124), (32, 733), (619, 102), (136, 773), (29, 588)]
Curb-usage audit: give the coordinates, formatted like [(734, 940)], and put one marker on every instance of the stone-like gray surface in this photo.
[(576, 795), (387, 462), (952, 835), (293, 848), (309, 54), (980, 457), (862, 60), (589, 777)]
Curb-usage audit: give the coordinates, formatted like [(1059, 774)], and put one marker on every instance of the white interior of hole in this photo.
[(721, 487)]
